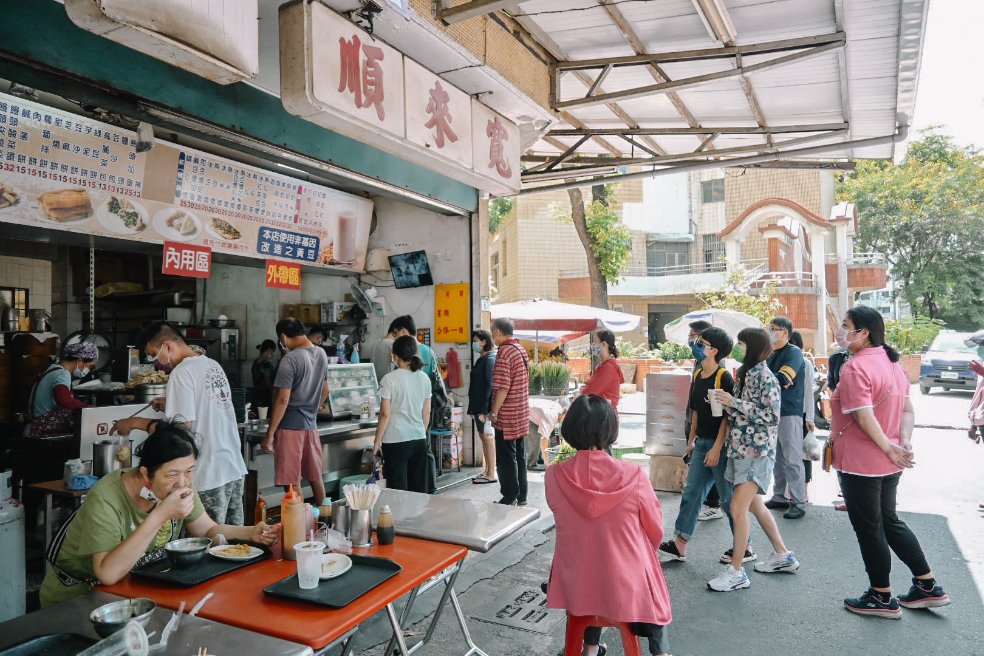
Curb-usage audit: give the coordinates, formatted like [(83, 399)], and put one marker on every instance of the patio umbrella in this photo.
[(730, 320)]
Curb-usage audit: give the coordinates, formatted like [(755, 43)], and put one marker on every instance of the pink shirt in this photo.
[(865, 380)]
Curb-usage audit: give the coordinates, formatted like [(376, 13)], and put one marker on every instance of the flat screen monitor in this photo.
[(410, 270)]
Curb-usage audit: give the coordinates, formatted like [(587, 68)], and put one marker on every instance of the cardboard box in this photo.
[(308, 313), (335, 312), (451, 450)]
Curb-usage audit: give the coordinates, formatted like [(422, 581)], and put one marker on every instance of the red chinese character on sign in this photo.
[(362, 77), (497, 153), (440, 118)]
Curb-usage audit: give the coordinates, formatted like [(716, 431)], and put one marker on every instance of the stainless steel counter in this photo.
[(477, 525), (192, 633)]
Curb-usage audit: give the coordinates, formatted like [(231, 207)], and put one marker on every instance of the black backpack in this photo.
[(440, 402)]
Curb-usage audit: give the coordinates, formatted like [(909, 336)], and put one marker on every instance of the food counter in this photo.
[(342, 443), (193, 632)]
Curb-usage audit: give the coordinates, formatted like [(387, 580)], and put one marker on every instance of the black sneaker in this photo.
[(919, 598), (749, 556), (776, 505), (869, 604), (506, 502), (669, 549)]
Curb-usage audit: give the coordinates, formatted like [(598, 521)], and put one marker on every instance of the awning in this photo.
[(644, 87), (538, 314)]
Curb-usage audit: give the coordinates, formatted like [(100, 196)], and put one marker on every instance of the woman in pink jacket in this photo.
[(609, 526)]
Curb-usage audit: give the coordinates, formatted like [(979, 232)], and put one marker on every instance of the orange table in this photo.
[(238, 598)]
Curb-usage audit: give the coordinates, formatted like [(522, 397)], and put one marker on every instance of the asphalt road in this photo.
[(798, 614)]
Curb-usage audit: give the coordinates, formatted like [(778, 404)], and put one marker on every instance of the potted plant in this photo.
[(556, 377), (560, 453), (536, 379)]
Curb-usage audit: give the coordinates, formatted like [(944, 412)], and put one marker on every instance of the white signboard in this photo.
[(216, 39), (334, 74)]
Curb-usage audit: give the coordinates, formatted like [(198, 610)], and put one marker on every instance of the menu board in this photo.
[(65, 172), (350, 386)]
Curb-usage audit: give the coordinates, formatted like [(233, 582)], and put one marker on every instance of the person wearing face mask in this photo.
[(712, 503), (302, 387), (607, 379), (379, 355), (871, 433), (788, 364), (198, 392), (130, 515), (976, 411), (480, 399), (51, 402)]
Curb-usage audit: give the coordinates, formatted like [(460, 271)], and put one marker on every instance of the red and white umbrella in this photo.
[(551, 316)]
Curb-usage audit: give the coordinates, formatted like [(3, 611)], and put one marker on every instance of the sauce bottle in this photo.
[(293, 517), (260, 514), (385, 530)]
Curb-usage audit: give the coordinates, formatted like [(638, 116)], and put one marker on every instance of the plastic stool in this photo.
[(576, 624)]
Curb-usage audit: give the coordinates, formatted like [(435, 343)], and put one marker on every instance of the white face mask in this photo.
[(841, 337), (148, 494), (81, 373)]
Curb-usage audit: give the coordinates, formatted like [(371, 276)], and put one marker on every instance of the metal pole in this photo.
[(92, 289), (536, 346)]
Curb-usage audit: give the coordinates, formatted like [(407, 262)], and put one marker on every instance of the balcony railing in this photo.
[(655, 272), (859, 259)]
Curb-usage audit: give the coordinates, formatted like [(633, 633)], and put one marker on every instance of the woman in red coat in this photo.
[(609, 525), (607, 379)]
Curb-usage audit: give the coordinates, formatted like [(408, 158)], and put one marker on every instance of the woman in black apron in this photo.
[(52, 404)]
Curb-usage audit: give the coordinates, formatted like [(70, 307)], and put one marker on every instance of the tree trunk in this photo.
[(599, 286)]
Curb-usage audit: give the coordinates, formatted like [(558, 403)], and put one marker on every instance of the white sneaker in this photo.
[(710, 513), (776, 563), (729, 579)]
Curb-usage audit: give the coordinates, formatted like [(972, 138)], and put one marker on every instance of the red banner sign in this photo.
[(283, 275), (187, 260)]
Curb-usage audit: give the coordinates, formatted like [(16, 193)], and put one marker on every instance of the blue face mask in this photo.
[(477, 347), (698, 350), (594, 349), (81, 373)]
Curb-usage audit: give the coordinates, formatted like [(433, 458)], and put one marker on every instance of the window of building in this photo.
[(712, 191), (494, 270), (663, 254), (714, 253), (14, 297)]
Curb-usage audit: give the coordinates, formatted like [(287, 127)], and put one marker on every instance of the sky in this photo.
[(951, 86)]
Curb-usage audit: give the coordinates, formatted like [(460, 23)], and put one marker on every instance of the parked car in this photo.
[(945, 363)]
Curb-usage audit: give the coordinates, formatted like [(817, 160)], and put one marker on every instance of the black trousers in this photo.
[(510, 464), (871, 507), (405, 465), (659, 641)]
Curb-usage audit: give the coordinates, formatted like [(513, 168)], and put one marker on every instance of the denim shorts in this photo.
[(755, 470)]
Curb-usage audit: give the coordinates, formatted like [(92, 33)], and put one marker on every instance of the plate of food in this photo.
[(66, 205), (121, 215), (9, 196), (222, 229), (176, 224), (235, 551), (334, 564)]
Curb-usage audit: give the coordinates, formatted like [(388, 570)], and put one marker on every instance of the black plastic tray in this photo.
[(55, 644), (366, 573), (208, 568)]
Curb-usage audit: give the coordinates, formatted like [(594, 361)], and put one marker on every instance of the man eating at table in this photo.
[(131, 514)]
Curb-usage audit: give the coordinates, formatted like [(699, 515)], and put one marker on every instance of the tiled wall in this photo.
[(33, 274)]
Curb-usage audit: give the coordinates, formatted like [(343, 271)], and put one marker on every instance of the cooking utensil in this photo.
[(106, 456), (187, 550), (198, 606), (147, 393), (112, 617)]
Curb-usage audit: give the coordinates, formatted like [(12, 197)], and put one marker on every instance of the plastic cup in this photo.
[(261, 412), (717, 410), (308, 563)]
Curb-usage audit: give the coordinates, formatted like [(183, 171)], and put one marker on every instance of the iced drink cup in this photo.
[(717, 409), (308, 563), (345, 241), (261, 412)]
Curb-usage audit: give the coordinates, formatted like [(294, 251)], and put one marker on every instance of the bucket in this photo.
[(108, 456)]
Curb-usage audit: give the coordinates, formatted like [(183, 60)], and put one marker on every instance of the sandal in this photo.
[(482, 479)]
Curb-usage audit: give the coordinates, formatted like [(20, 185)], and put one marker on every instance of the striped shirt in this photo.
[(511, 373)]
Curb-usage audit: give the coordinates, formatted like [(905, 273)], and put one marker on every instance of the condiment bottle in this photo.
[(293, 517), (260, 514), (385, 530)]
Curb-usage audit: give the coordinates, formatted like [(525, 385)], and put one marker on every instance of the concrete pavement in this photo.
[(800, 613)]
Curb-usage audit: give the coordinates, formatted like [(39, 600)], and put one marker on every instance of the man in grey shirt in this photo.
[(302, 386)]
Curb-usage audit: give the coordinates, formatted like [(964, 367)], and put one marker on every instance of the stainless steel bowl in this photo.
[(110, 618), (147, 393), (187, 551)]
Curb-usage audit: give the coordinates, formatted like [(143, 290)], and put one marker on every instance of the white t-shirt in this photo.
[(407, 392), (198, 392)]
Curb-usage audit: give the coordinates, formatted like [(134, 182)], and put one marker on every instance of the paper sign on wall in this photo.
[(283, 275), (451, 313)]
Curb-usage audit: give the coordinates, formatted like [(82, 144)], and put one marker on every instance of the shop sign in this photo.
[(216, 39), (187, 260), (338, 76), (451, 313), (60, 171), (283, 275)]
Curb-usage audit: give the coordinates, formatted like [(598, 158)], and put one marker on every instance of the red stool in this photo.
[(576, 624)]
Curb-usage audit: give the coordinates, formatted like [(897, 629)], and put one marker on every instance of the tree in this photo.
[(926, 216), (607, 243), (737, 295), (499, 209)]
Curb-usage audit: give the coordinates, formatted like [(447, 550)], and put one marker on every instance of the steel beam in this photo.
[(687, 83), (466, 10), (705, 130)]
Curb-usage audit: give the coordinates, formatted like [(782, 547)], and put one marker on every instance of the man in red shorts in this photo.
[(302, 387)]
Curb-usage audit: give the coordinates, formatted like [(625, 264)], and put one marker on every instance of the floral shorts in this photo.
[(750, 470)]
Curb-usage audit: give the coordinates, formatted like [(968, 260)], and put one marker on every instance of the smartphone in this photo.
[(686, 459)]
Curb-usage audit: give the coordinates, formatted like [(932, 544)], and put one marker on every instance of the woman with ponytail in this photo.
[(401, 435), (872, 443)]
